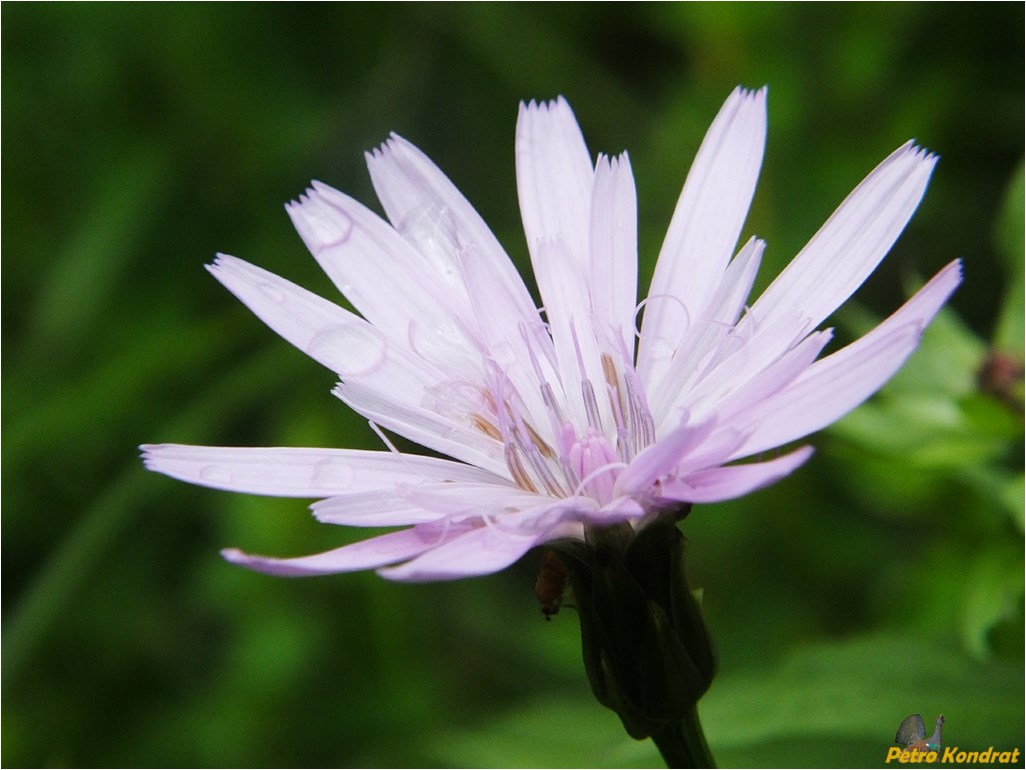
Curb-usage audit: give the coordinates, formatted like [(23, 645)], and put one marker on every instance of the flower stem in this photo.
[(683, 744)]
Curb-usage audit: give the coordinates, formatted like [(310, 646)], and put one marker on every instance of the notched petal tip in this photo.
[(298, 202), (750, 94), (166, 459), (612, 163), (393, 145), (547, 106), (747, 102), (311, 194), (327, 192), (319, 217), (534, 105), (223, 262), (146, 454), (912, 149), (924, 154)]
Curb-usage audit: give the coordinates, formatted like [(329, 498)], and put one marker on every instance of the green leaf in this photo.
[(825, 705), (993, 594), (851, 696), (1008, 334), (945, 362), (544, 733)]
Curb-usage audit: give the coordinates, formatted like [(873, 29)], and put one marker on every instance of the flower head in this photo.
[(562, 418)]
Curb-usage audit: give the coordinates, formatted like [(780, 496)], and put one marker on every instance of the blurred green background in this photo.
[(884, 578)]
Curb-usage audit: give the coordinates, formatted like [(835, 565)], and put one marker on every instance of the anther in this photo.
[(516, 469), (486, 427)]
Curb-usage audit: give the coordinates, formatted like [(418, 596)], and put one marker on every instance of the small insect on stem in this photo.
[(551, 583)]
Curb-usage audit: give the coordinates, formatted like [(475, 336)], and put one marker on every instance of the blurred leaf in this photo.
[(945, 362), (545, 733), (100, 524), (927, 432), (96, 255), (993, 594), (827, 704), (1008, 335), (1012, 493), (928, 413), (853, 695)]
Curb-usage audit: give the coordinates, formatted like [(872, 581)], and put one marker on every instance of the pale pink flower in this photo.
[(562, 418)]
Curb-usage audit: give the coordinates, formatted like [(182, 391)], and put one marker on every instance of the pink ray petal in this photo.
[(835, 385), (707, 221), (366, 554), (292, 472), (731, 481), (478, 552), (554, 178)]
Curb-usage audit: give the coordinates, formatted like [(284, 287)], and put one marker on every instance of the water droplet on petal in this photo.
[(353, 351), (432, 230), (322, 224), (444, 345), (454, 399), (332, 473)]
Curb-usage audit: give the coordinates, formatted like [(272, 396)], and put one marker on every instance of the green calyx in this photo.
[(646, 647)]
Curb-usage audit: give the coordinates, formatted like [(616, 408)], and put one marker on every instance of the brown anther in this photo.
[(486, 427), (613, 381), (547, 452), (516, 469)]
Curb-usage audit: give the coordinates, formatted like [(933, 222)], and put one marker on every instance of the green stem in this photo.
[(683, 744)]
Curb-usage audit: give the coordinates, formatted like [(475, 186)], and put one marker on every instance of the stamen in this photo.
[(641, 417), (555, 413), (624, 446), (613, 381), (587, 390), (531, 452), (384, 439), (577, 350), (568, 472), (539, 466), (516, 469), (486, 427), (547, 394), (591, 405), (531, 354), (539, 442)]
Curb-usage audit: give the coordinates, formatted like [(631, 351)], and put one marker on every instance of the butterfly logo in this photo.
[(912, 734)]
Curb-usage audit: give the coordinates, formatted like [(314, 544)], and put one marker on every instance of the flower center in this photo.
[(573, 460), (596, 464)]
